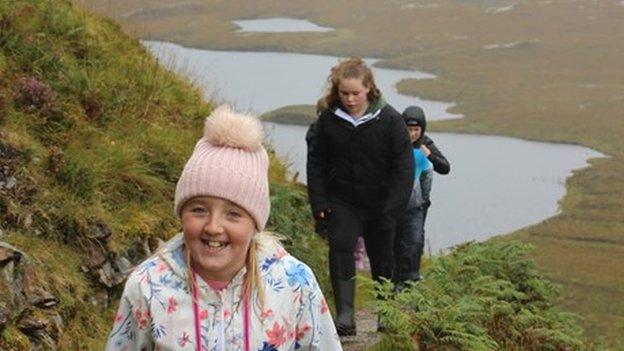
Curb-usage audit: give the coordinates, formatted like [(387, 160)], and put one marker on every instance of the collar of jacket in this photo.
[(372, 111)]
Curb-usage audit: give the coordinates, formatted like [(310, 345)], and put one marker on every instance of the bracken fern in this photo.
[(485, 296)]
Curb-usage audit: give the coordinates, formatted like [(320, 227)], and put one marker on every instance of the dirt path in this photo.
[(367, 336)]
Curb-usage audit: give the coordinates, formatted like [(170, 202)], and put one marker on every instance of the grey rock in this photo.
[(43, 299), (31, 324), (58, 321), (10, 252), (123, 265), (30, 309), (10, 183), (99, 231), (4, 317), (96, 255), (108, 276), (38, 330), (12, 278), (6, 255)]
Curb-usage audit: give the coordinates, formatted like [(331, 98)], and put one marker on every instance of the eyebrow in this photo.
[(232, 205), (199, 201)]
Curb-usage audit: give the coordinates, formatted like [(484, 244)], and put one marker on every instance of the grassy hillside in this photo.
[(93, 135), (541, 70)]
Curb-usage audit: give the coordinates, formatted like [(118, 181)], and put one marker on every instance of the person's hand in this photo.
[(320, 223), (426, 203), (321, 214), (425, 150), (320, 228)]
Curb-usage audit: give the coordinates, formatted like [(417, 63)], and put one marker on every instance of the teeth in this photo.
[(213, 243)]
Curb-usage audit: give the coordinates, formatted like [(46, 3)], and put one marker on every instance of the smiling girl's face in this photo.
[(218, 233)]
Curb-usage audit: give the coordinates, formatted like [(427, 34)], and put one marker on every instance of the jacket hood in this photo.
[(372, 108), (172, 252), (376, 105), (415, 116)]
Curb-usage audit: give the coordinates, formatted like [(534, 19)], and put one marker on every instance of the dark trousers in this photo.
[(344, 224), (410, 242)]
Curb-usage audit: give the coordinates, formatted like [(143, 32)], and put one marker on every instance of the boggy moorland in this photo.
[(540, 70)]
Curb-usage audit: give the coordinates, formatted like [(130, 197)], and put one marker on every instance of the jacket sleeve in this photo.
[(317, 163), (315, 329), (426, 180), (401, 179), (131, 326), (440, 164)]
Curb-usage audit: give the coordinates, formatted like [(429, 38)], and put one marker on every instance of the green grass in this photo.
[(563, 83), (13, 340)]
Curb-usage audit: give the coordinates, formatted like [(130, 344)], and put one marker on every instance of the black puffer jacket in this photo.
[(440, 164), (369, 166)]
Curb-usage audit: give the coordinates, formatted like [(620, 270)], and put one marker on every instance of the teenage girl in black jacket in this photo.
[(360, 174)]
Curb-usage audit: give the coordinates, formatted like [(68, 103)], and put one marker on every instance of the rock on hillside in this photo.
[(30, 308)]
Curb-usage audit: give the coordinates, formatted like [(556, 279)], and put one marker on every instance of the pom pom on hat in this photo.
[(228, 162), (226, 128)]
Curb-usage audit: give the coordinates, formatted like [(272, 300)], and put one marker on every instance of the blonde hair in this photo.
[(353, 67), (321, 105)]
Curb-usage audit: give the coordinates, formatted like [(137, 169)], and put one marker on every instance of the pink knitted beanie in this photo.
[(229, 162)]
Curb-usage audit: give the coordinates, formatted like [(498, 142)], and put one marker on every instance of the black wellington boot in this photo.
[(344, 292)]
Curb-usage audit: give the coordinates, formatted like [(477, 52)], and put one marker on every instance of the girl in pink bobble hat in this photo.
[(223, 283)]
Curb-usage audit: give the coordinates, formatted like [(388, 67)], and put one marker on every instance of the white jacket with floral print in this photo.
[(156, 310)]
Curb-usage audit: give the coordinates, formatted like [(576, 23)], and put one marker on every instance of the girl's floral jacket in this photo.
[(156, 310)]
